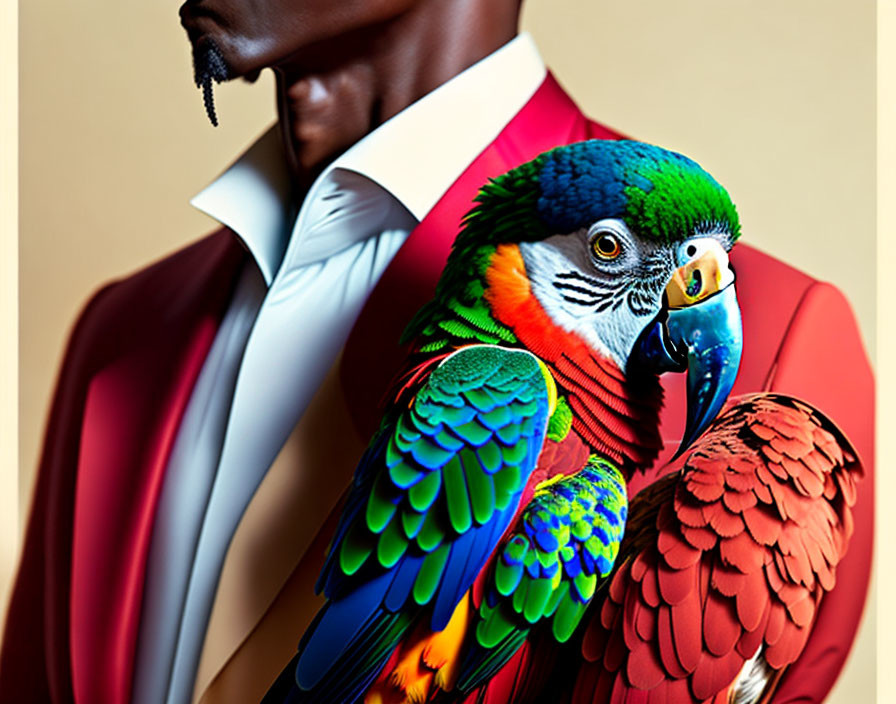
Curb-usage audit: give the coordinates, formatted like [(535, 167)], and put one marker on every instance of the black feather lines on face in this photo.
[(639, 288), (575, 287), (654, 270)]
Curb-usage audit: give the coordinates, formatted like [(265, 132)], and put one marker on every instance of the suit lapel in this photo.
[(156, 328), (280, 523)]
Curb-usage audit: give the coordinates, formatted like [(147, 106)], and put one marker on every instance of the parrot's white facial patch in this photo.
[(602, 283)]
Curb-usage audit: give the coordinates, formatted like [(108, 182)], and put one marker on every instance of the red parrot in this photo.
[(725, 562)]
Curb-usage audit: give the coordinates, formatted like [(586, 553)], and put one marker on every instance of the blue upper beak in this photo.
[(711, 335), (704, 337)]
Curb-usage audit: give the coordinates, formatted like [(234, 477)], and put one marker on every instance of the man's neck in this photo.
[(327, 104)]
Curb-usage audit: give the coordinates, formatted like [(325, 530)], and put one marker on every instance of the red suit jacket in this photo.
[(137, 349)]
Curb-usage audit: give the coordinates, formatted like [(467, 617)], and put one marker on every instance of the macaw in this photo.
[(490, 506)]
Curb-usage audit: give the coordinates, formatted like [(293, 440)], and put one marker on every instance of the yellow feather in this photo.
[(427, 661), (552, 387)]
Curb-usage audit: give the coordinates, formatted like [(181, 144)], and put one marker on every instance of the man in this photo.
[(189, 383)]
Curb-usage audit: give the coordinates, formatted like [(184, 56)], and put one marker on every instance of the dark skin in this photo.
[(344, 67)]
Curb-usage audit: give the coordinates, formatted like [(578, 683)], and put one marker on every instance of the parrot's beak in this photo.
[(698, 330)]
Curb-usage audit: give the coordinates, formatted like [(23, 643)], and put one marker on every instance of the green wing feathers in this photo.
[(570, 535), (454, 460), (436, 490), (565, 542)]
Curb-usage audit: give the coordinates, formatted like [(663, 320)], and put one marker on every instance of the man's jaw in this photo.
[(209, 65)]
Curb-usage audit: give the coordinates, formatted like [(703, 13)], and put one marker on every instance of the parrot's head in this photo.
[(622, 246)]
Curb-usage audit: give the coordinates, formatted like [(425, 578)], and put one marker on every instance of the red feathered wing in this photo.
[(730, 554)]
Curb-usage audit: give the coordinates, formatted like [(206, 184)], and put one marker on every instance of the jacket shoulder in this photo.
[(165, 280), (598, 130)]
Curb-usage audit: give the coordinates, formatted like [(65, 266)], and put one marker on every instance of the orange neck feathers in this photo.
[(618, 421)]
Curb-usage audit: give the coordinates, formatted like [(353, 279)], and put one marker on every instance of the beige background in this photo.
[(886, 347), (777, 99), (8, 296)]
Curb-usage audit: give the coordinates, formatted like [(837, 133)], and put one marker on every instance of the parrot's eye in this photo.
[(606, 246)]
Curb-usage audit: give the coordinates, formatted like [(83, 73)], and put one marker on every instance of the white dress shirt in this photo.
[(292, 310)]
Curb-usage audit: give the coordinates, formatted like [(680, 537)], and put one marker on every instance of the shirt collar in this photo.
[(415, 156), (420, 152), (252, 199)]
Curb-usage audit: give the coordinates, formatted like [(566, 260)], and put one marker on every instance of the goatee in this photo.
[(208, 66)]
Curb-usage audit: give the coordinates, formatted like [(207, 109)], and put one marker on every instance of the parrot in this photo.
[(482, 549)]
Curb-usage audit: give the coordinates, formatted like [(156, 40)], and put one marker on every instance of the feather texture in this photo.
[(430, 500), (616, 418), (566, 538), (729, 555)]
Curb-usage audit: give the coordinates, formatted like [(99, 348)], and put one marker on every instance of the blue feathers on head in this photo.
[(659, 193)]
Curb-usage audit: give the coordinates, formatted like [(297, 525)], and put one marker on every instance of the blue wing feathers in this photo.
[(446, 476), (340, 624), (403, 583), (452, 578)]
